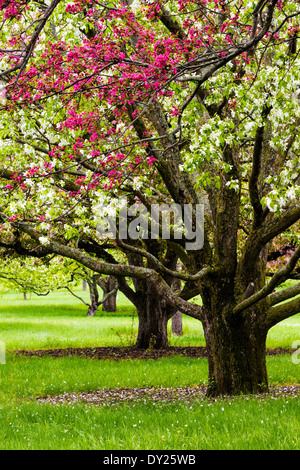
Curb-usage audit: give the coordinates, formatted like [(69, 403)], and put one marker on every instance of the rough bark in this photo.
[(93, 307), (94, 297), (236, 344), (110, 304), (236, 356)]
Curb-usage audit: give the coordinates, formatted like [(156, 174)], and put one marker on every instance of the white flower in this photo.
[(44, 240), (135, 6)]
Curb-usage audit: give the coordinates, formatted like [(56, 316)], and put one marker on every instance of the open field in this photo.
[(269, 422), (59, 320)]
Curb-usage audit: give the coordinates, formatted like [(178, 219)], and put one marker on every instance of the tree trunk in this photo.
[(177, 324), (153, 321), (92, 309), (236, 345), (110, 304), (94, 296), (236, 359), (153, 311), (177, 317)]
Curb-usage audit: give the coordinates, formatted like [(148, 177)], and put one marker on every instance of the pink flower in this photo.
[(150, 160), (223, 27), (174, 111)]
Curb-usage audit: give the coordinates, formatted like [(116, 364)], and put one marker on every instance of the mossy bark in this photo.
[(236, 351)]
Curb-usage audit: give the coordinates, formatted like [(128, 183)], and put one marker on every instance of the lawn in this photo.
[(59, 320)]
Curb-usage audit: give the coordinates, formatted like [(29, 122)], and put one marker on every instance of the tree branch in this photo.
[(278, 225), (219, 63), (253, 180), (172, 25), (160, 266), (159, 284), (284, 294), (109, 294), (280, 276), (23, 284), (30, 48), (280, 312), (77, 296)]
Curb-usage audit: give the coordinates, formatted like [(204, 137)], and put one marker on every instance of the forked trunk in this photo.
[(92, 310)]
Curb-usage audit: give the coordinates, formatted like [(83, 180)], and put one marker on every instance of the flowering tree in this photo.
[(31, 274), (189, 102)]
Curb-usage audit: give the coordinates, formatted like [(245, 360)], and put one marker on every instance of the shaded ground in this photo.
[(130, 352)]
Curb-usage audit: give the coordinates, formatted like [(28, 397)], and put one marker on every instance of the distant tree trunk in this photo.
[(94, 296), (24, 296), (153, 311), (177, 317), (110, 304), (84, 285), (92, 310), (177, 324)]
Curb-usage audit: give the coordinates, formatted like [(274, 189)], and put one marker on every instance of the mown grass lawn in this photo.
[(59, 321)]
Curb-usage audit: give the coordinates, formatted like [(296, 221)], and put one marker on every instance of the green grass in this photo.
[(238, 424), (33, 376), (59, 320), (241, 423)]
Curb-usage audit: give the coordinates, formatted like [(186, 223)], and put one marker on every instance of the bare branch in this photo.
[(77, 296), (22, 283)]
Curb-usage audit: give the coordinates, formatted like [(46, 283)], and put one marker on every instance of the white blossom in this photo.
[(44, 240)]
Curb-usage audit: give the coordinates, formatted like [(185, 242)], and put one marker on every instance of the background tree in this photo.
[(109, 287), (30, 275), (93, 280)]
